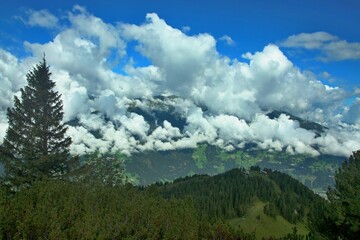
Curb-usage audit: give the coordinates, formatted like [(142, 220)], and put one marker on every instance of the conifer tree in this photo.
[(35, 146)]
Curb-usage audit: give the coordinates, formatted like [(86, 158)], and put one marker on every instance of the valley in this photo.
[(148, 167)]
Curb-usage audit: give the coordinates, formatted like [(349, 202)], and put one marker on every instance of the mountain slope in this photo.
[(239, 194)]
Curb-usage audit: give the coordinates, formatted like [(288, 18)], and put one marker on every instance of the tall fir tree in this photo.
[(35, 146)]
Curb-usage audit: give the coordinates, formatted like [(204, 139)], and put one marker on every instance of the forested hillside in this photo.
[(230, 194), (193, 208)]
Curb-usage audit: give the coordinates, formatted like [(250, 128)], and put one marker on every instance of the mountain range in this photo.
[(172, 137)]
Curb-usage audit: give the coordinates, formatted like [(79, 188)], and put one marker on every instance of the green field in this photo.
[(199, 156), (264, 226)]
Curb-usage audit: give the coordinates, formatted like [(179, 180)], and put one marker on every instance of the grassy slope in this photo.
[(199, 156), (265, 226)]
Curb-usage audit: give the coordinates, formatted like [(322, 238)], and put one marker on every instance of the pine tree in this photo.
[(35, 146)]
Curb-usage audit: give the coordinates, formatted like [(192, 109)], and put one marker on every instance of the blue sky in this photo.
[(240, 58), (250, 24)]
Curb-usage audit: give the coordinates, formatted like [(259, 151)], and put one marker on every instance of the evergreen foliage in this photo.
[(101, 169), (340, 218), (64, 210), (194, 208), (35, 146), (230, 195)]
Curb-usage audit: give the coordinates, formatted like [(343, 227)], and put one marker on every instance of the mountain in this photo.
[(316, 172), (151, 166), (166, 137)]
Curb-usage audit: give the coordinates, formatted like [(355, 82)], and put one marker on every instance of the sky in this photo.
[(241, 59)]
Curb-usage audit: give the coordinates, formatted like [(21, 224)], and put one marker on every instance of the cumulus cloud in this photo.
[(270, 81), (222, 101), (180, 57), (332, 48), (136, 125)]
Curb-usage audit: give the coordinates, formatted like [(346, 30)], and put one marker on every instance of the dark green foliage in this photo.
[(295, 197), (194, 208), (63, 210), (229, 195), (294, 236), (270, 210), (340, 217), (103, 170), (222, 231), (35, 146), (345, 197)]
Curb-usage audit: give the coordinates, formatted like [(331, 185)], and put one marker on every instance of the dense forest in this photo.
[(48, 194), (229, 195)]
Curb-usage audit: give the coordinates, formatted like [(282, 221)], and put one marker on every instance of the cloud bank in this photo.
[(93, 67)]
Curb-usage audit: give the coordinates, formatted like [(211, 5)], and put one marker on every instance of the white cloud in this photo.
[(352, 116), (309, 40), (228, 40), (231, 128), (42, 18), (12, 78), (269, 81), (341, 50), (179, 56), (107, 102), (332, 48), (75, 101), (135, 124), (85, 142)]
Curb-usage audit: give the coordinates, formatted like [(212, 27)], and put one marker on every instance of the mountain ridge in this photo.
[(161, 157)]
